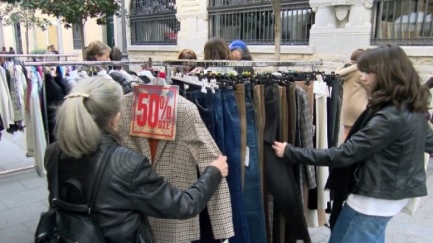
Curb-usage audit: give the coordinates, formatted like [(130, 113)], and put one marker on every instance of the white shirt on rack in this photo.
[(6, 105)]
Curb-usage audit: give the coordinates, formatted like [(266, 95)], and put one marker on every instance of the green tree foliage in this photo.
[(77, 12), (17, 13)]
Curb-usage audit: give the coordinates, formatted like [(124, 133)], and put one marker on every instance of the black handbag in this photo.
[(68, 222)]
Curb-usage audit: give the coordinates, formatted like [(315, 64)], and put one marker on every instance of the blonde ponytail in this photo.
[(87, 110)]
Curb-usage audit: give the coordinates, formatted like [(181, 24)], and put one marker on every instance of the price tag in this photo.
[(154, 112)]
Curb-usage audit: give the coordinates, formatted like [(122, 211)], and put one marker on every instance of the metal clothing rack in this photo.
[(168, 64), (228, 63), (22, 57), (39, 55)]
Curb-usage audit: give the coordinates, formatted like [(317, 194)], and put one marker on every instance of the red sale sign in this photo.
[(155, 112)]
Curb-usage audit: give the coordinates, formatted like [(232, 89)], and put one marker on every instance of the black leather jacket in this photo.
[(126, 84), (131, 189), (390, 152)]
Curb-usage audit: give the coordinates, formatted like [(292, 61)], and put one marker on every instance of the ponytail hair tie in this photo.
[(74, 95)]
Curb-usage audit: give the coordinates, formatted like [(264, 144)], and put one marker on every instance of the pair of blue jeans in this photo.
[(252, 185), (353, 226), (219, 113), (232, 149)]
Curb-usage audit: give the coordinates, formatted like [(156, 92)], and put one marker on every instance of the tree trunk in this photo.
[(276, 6), (26, 33), (83, 45)]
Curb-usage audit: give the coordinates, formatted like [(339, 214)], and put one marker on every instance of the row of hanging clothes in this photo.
[(29, 96), (23, 107), (59, 80), (272, 200), (12, 86)]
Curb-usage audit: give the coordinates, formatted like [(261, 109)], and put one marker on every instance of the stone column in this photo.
[(193, 18), (340, 27)]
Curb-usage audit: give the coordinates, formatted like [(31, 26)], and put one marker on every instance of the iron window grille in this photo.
[(404, 22), (153, 22), (253, 21)]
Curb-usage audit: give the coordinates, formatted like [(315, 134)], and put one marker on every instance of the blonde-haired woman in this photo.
[(86, 127)]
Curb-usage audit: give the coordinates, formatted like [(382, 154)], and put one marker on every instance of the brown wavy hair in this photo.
[(397, 81), (216, 49)]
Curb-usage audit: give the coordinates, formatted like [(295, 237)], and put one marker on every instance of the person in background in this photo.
[(126, 80), (50, 49), (186, 54), (11, 51), (240, 52), (355, 93), (131, 190), (4, 50), (217, 49), (384, 152), (97, 51)]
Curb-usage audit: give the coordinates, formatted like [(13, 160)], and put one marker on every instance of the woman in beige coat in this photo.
[(355, 96)]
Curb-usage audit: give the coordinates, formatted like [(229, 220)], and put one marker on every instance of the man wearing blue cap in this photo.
[(239, 51)]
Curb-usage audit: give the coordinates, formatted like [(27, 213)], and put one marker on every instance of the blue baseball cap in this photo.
[(237, 44)]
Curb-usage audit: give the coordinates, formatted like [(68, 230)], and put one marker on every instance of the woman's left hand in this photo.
[(279, 148)]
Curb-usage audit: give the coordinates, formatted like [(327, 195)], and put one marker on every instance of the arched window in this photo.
[(153, 22)]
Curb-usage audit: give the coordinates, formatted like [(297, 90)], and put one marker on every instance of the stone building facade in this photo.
[(339, 27)]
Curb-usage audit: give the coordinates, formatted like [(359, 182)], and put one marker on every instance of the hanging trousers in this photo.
[(252, 186), (279, 173)]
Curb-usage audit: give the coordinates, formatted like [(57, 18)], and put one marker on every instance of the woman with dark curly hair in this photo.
[(382, 158)]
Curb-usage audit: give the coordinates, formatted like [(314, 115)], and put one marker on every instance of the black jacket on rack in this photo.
[(54, 94), (280, 176), (130, 190), (126, 85)]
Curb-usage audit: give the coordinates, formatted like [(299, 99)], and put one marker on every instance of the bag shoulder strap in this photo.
[(99, 174), (53, 177)]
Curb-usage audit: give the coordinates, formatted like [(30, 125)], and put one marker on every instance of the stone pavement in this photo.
[(23, 196)]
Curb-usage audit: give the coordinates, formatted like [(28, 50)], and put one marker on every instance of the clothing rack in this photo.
[(229, 63), (168, 64), (88, 63), (39, 55)]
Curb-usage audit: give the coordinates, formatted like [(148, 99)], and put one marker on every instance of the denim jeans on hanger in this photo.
[(232, 144), (252, 183), (206, 107), (219, 121)]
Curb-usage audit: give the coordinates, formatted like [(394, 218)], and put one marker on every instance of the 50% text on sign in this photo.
[(154, 112)]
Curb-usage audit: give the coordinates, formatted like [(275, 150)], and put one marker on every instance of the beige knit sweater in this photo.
[(355, 94)]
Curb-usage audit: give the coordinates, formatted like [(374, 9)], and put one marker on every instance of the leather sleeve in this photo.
[(429, 140), (155, 196), (380, 131)]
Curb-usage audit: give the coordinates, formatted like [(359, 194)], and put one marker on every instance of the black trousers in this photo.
[(279, 174)]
